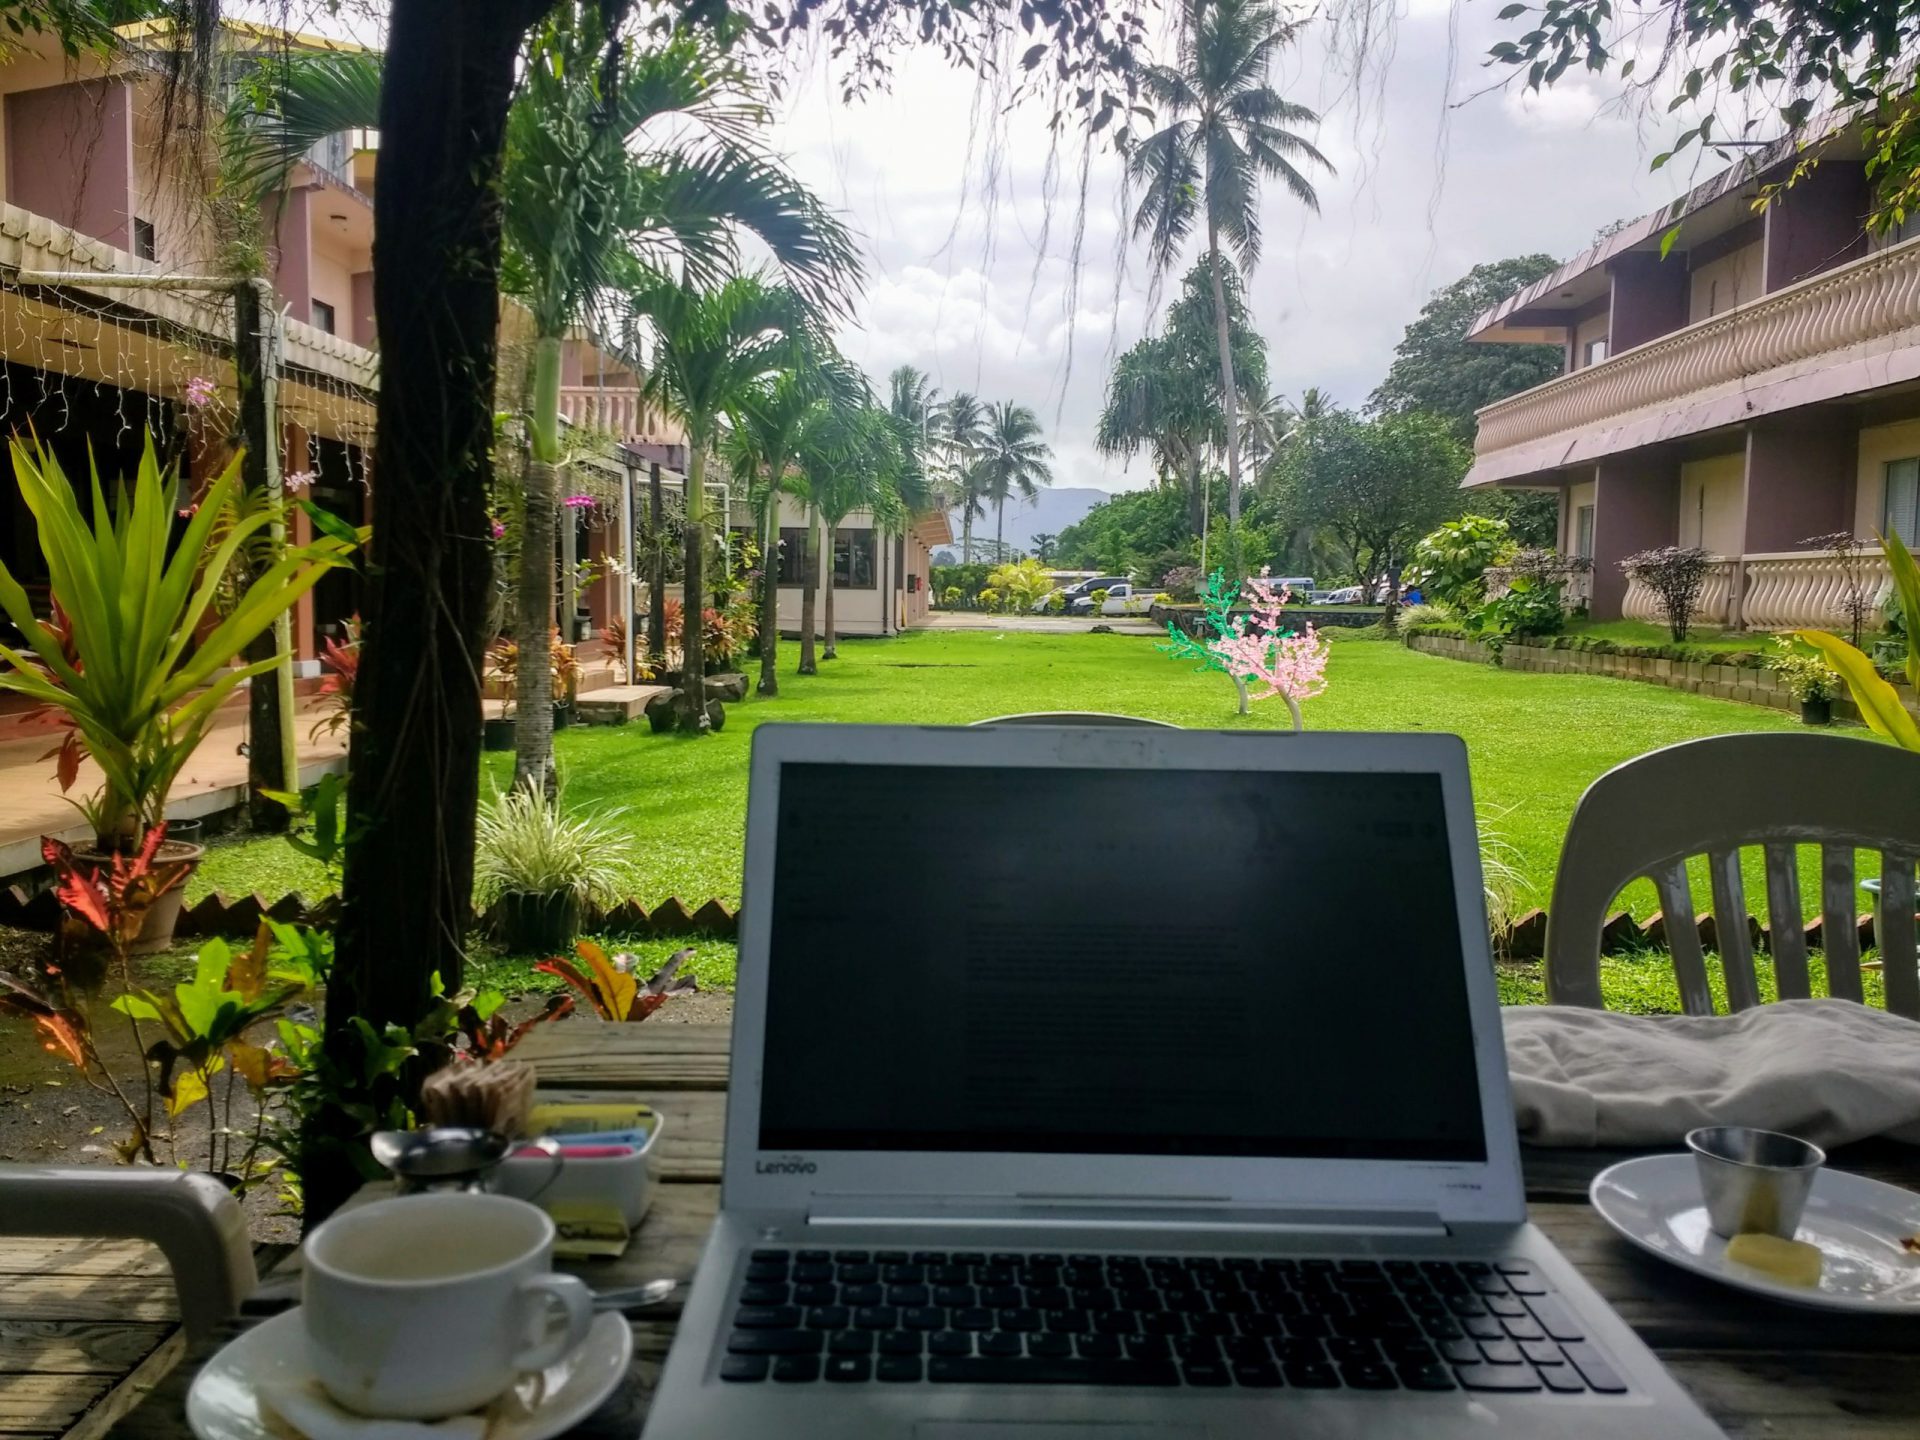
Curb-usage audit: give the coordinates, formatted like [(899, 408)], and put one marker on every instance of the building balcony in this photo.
[(1847, 331), (609, 410), (1774, 592)]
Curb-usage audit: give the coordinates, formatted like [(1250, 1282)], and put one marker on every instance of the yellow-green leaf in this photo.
[(1879, 702)]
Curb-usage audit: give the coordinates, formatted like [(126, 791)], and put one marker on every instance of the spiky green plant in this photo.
[(125, 667), (525, 846)]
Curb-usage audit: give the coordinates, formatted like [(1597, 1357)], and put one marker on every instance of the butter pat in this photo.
[(1791, 1262)]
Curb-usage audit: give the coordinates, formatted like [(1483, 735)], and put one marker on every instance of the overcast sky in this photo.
[(971, 265)]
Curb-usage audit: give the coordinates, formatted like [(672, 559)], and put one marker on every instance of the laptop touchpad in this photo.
[(1048, 1430)]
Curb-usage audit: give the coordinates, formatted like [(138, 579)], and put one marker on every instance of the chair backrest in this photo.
[(1709, 797), (1073, 717)]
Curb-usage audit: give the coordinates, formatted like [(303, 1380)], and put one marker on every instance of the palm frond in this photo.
[(288, 104)]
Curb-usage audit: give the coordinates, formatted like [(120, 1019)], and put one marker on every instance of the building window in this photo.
[(1596, 351), (1901, 513), (853, 557), (793, 555), (1583, 532), (323, 317), (145, 243)]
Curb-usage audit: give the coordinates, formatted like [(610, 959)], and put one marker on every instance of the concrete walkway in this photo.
[(1038, 624), (215, 779)]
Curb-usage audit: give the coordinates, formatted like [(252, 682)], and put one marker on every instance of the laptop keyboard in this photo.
[(981, 1318)]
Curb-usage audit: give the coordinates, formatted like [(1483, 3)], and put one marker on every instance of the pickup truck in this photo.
[(1123, 598), (1077, 592)]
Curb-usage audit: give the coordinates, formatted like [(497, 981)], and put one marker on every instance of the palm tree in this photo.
[(865, 476), (1012, 461), (591, 202), (1045, 542), (716, 347), (1155, 401), (1226, 132), (964, 427)]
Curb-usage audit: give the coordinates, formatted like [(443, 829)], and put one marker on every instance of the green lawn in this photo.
[(1535, 742)]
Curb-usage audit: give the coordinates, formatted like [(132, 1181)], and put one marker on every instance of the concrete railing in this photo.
[(614, 412), (1776, 591), (1798, 588), (1849, 305), (1715, 597)]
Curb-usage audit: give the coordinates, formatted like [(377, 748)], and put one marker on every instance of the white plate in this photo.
[(1858, 1224), (223, 1405)]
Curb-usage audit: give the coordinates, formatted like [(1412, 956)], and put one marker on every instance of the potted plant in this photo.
[(539, 871), (502, 664), (566, 681), (138, 656), (1807, 678)]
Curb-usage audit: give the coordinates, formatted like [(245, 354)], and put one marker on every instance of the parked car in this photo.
[(1299, 588), (1075, 594), (1346, 595)]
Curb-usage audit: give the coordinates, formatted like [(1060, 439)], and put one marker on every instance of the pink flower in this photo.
[(298, 480), (200, 392), (578, 502), (189, 512), (1292, 667), (499, 530)]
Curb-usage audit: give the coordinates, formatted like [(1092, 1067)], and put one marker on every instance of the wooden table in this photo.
[(1760, 1369)]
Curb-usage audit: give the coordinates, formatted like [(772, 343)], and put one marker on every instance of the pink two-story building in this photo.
[(1754, 387)]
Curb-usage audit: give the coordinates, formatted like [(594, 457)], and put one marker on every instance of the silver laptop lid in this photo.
[(1104, 968)]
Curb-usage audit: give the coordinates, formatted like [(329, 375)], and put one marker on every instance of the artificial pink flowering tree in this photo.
[(1291, 665)]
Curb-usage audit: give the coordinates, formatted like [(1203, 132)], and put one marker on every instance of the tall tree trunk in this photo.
[(414, 763), (770, 597), (656, 571), (966, 530), (534, 593), (1196, 495), (809, 588), (269, 713), (693, 630), (829, 651), (1000, 531), (1229, 391)]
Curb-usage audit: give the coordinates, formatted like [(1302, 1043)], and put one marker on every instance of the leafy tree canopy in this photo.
[(1436, 369), (1779, 62), (1378, 485)]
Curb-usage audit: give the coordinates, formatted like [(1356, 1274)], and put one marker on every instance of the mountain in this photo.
[(1050, 512)]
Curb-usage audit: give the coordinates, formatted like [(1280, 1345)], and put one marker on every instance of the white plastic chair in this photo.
[(1073, 717), (1709, 797)]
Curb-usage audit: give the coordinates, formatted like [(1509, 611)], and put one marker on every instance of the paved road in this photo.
[(1038, 624)]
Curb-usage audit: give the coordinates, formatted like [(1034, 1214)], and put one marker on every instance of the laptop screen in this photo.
[(1116, 961)]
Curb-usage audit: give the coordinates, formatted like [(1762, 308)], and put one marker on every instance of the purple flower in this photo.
[(499, 529), (200, 392)]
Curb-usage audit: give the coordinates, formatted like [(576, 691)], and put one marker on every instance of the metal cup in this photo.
[(1755, 1181)]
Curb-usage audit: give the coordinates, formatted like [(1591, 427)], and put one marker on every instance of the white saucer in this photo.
[(1858, 1224), (222, 1403)]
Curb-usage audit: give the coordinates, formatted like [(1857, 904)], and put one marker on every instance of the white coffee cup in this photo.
[(433, 1305)]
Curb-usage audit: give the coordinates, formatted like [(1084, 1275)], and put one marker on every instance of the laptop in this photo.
[(1099, 1083)]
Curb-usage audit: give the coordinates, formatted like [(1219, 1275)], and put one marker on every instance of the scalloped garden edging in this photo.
[(27, 908)]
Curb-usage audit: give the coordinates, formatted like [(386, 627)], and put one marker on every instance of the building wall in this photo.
[(1594, 327), (330, 278), (1636, 498), (1732, 279), (1817, 224), (70, 156), (1800, 479), (1713, 503), (1878, 445)]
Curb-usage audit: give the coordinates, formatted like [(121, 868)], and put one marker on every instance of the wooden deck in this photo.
[(1761, 1370)]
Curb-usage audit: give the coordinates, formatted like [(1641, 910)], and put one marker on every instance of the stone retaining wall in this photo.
[(1749, 684)]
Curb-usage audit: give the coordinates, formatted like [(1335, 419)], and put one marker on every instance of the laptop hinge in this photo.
[(1083, 1212)]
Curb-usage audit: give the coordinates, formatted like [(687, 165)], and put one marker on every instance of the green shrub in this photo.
[(1452, 559), (526, 845)]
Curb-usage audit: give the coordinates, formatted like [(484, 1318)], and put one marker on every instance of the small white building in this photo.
[(881, 578)]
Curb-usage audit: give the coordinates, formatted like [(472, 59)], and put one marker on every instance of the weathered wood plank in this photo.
[(88, 1297), (103, 1418), (1798, 1395), (77, 1347), (31, 1404), (590, 1055), (33, 1255)]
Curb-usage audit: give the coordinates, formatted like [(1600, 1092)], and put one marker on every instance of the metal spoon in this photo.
[(637, 1297)]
